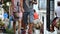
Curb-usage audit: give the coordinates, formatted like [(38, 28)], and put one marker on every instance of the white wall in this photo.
[(2, 11), (56, 3)]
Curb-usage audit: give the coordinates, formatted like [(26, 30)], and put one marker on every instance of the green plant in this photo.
[(9, 31), (1, 23)]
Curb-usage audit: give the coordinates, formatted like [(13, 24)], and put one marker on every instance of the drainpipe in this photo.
[(49, 13)]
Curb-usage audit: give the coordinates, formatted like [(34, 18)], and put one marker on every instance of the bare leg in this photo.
[(24, 29), (30, 28), (19, 26)]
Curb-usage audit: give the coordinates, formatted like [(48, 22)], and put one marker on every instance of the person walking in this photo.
[(20, 17), (17, 13), (28, 10)]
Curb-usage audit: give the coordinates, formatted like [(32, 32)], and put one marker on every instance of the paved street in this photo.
[(36, 32)]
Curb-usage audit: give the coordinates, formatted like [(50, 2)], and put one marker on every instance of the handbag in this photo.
[(16, 14)]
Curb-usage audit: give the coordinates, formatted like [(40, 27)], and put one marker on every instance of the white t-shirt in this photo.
[(57, 10)]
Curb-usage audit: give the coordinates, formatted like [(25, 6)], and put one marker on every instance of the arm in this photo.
[(21, 6), (33, 1), (55, 12)]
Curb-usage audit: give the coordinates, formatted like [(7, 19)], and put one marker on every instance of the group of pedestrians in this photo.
[(25, 10)]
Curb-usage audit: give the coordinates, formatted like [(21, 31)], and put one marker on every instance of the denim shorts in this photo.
[(25, 16)]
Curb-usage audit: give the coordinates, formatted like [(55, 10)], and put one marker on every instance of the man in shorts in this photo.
[(28, 10)]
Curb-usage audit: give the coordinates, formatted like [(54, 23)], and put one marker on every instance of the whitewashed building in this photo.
[(1, 12)]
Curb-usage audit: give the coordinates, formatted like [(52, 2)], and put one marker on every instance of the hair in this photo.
[(34, 10), (55, 19), (52, 23)]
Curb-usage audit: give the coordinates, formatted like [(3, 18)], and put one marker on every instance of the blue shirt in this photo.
[(5, 15)]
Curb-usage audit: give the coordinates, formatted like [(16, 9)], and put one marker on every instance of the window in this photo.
[(39, 4), (51, 5), (42, 4)]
